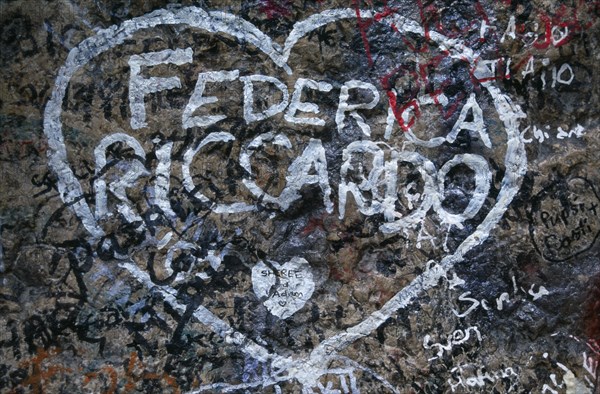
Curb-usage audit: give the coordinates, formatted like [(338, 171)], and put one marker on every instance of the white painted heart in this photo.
[(284, 288), (308, 368)]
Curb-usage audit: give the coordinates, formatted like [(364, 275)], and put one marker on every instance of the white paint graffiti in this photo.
[(501, 300), (249, 114), (197, 100), (383, 175), (476, 125), (297, 105), (542, 134), (298, 173), (481, 378), (344, 107), (188, 182), (284, 288), (458, 337), (139, 86), (304, 368), (133, 171)]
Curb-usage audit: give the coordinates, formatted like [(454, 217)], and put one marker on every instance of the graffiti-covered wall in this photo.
[(300, 196)]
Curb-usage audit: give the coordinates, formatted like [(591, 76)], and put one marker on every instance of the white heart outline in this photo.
[(311, 367)]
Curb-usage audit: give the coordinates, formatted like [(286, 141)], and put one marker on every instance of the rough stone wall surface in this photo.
[(300, 196)]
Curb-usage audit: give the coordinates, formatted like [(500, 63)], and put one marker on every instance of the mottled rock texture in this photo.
[(300, 196)]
